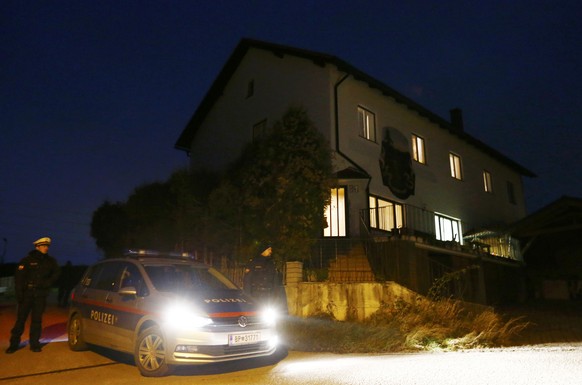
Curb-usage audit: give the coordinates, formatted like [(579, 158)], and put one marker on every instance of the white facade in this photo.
[(278, 83), (261, 81)]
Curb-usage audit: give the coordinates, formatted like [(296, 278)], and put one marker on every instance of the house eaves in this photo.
[(321, 59), (351, 173), (564, 214)]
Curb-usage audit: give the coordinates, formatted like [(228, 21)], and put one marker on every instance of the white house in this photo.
[(403, 173)]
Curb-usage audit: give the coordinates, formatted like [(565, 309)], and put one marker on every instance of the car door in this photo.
[(99, 318), (125, 302)]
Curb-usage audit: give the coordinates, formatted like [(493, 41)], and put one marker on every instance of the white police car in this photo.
[(166, 311)]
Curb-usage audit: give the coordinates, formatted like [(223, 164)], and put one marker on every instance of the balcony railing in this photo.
[(419, 224)]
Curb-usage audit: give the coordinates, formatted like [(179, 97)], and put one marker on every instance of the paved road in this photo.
[(531, 364), (519, 366)]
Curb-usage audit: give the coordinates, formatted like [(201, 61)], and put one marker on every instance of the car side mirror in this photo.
[(128, 291)]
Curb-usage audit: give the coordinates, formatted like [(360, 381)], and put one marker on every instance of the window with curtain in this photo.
[(487, 183), (385, 215), (447, 228), (418, 152), (367, 124), (335, 214), (455, 163)]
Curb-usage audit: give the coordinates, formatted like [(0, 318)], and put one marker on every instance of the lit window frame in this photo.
[(367, 124), (335, 213), (487, 182), (385, 214), (418, 149), (448, 228), (456, 166)]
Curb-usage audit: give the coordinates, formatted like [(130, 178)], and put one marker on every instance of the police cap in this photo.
[(264, 246), (42, 241)]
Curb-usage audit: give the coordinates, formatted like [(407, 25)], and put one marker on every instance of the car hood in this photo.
[(221, 302), (226, 301)]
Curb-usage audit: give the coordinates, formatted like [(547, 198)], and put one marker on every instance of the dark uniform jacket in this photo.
[(36, 272), (260, 275)]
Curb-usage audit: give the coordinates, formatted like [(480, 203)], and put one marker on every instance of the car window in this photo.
[(91, 272), (105, 277), (213, 278), (183, 278), (131, 277)]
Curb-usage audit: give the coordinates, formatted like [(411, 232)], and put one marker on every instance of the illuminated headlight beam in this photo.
[(270, 316), (183, 317)]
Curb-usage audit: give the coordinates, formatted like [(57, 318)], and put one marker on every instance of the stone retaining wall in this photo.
[(354, 301)]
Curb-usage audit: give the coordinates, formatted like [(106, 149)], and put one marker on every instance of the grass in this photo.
[(443, 324)]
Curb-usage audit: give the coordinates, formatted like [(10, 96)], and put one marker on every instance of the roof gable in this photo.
[(321, 59)]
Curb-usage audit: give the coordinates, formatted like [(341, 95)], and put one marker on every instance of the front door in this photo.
[(336, 214)]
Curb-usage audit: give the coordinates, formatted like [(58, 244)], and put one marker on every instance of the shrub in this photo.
[(423, 324)]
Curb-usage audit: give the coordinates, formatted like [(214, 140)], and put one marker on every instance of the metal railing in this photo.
[(414, 219), (419, 223)]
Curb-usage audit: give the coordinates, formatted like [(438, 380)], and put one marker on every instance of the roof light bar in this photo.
[(155, 253)]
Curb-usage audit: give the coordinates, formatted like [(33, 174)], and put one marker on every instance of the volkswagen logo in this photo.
[(242, 321)]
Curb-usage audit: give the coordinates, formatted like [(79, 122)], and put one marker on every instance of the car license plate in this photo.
[(244, 339)]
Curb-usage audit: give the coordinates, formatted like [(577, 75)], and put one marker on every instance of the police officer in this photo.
[(262, 279), (33, 279), (260, 274)]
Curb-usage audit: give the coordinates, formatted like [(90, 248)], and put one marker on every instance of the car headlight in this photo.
[(181, 316), (270, 315)]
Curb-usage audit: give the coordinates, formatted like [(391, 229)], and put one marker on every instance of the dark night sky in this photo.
[(95, 93)]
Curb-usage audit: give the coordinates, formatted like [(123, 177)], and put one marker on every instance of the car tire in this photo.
[(76, 340), (150, 353)]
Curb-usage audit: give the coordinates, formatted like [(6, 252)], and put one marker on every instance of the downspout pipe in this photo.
[(337, 135)]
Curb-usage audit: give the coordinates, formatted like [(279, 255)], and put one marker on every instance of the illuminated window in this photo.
[(447, 229), (455, 163), (418, 152), (511, 193), (260, 129), (385, 215), (487, 184), (335, 214), (367, 124)]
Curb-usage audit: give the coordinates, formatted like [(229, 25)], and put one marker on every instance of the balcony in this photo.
[(428, 228)]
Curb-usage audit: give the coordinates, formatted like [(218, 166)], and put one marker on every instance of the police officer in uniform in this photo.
[(260, 274), (35, 275), (262, 279)]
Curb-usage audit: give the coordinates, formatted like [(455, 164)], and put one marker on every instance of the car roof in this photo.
[(151, 257)]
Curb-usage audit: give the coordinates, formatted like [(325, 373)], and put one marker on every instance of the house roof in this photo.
[(321, 59), (562, 215)]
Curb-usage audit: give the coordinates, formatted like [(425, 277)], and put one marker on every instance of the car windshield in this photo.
[(186, 278)]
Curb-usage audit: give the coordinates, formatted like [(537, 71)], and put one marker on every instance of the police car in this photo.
[(167, 310)]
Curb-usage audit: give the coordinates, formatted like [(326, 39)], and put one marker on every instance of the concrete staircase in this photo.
[(353, 267)]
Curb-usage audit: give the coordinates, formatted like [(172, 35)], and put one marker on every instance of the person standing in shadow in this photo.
[(66, 283)]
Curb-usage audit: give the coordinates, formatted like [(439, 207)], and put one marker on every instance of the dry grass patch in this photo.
[(443, 324)]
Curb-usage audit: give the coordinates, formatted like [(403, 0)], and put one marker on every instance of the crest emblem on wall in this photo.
[(396, 163)]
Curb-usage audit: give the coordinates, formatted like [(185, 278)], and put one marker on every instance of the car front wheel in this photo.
[(75, 333), (150, 353)]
